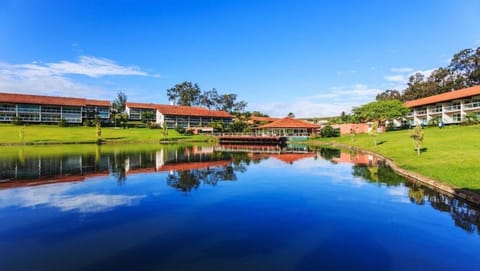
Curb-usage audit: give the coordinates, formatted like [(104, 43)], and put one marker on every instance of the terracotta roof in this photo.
[(98, 102), (50, 100), (267, 119), (448, 96), (290, 123), (141, 105)]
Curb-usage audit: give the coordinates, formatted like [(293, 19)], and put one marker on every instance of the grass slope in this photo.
[(451, 155), (10, 134)]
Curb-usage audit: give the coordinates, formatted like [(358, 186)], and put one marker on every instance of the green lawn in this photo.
[(451, 155), (10, 134)]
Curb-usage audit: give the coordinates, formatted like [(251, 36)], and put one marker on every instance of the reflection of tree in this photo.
[(416, 195), (464, 214), (329, 153), (184, 180)]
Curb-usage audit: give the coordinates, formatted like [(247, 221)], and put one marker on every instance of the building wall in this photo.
[(450, 112), (50, 113), (347, 128)]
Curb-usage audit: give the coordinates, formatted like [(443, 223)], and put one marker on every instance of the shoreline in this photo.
[(463, 194)]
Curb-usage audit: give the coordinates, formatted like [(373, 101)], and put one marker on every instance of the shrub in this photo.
[(329, 131), (17, 121), (180, 129), (62, 123), (153, 125)]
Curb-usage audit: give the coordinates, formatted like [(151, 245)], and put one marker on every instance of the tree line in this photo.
[(188, 94), (462, 72)]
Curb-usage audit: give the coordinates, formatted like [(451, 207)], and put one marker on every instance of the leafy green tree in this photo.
[(382, 111), (466, 63), (209, 99), (229, 103), (417, 136), (98, 131), (147, 116), (291, 115), (389, 94), (329, 131), (238, 126), (471, 119), (217, 126), (186, 94)]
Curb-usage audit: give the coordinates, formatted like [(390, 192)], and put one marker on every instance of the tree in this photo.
[(209, 99), (374, 132), (466, 64), (471, 118), (417, 136), (99, 131), (119, 104), (229, 103), (147, 116), (291, 115), (389, 94), (186, 94), (380, 111)]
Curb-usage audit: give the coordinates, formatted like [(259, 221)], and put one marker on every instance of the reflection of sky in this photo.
[(63, 197)]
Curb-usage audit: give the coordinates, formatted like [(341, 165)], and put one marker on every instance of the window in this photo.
[(456, 117), (7, 107), (28, 108)]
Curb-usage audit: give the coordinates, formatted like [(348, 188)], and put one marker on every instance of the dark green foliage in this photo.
[(180, 129), (119, 104), (380, 111), (17, 121), (62, 123), (238, 126), (329, 131), (147, 116)]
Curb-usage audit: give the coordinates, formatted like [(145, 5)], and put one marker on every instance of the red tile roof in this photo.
[(261, 119), (448, 96), (181, 110), (50, 100), (290, 123)]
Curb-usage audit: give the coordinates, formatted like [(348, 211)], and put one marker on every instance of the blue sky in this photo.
[(312, 58)]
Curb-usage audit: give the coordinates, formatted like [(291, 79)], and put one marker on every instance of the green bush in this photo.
[(329, 131), (17, 121), (62, 123), (180, 129)]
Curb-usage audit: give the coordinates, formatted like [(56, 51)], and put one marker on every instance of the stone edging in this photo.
[(415, 177)]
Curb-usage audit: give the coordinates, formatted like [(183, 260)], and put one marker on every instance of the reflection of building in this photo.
[(450, 107), (357, 158), (173, 115), (45, 109), (288, 127), (290, 158)]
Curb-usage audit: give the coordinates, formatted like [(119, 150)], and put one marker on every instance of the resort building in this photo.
[(175, 116), (49, 109), (450, 107), (288, 127)]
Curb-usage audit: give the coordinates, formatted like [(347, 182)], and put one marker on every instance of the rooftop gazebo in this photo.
[(288, 127)]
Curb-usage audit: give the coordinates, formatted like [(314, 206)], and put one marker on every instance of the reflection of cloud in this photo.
[(57, 196), (398, 193)]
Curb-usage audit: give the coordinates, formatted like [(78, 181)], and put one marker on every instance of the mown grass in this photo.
[(38, 134), (451, 154)]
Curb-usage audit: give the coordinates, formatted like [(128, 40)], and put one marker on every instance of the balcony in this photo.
[(421, 113), (469, 106), (435, 111), (452, 108)]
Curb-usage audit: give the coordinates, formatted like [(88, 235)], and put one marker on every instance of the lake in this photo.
[(204, 207)]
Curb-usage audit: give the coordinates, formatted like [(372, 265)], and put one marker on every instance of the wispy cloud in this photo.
[(54, 78), (395, 78), (330, 103), (402, 70)]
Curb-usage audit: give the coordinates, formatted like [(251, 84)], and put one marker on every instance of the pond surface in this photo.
[(224, 208)]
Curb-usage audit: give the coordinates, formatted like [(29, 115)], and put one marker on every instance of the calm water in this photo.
[(206, 208)]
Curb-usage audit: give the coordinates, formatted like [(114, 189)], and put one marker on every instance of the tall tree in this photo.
[(291, 115), (466, 63), (120, 102), (389, 94), (209, 98), (186, 94)]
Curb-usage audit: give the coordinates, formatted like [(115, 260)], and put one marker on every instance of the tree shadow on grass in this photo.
[(381, 142), (115, 138)]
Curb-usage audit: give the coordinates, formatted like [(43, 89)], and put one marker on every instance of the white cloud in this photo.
[(57, 196), (402, 70), (325, 104), (52, 78), (395, 78)]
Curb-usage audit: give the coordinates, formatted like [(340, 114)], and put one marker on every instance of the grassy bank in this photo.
[(451, 155), (44, 134)]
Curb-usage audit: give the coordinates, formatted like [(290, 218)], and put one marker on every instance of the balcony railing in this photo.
[(421, 112), (435, 111), (452, 108), (474, 105)]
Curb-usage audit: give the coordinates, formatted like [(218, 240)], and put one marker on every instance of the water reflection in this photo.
[(187, 168)]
